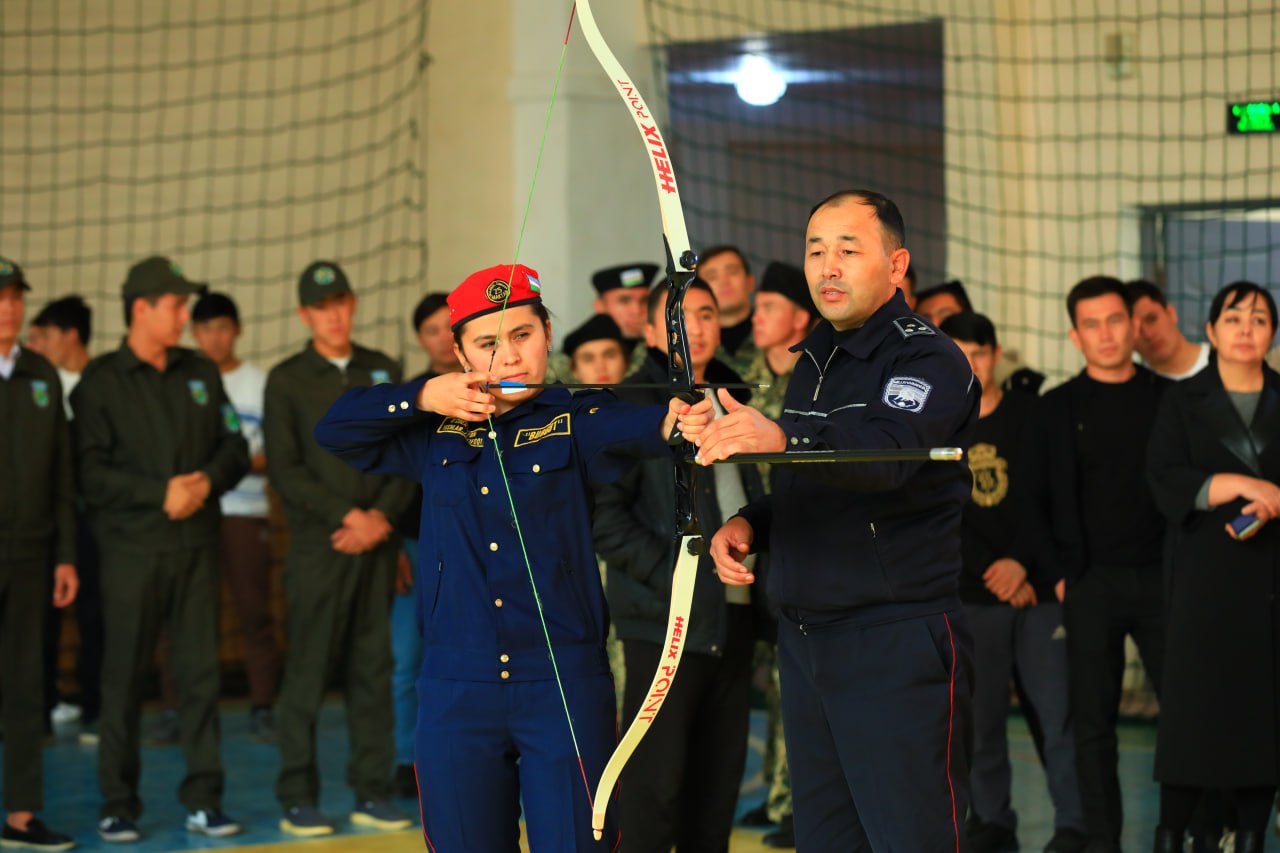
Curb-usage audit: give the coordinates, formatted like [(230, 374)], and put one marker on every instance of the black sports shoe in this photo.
[(1067, 841), (406, 782), (118, 830), (991, 838), (782, 838), (36, 836)]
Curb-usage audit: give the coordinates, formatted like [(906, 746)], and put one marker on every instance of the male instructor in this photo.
[(873, 653)]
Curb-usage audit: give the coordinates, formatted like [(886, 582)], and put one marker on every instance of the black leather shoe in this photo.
[(987, 837), (1067, 841), (784, 837), (1249, 841), (1210, 841), (1167, 841), (406, 782)]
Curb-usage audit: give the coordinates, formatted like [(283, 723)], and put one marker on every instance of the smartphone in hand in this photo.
[(1245, 526)]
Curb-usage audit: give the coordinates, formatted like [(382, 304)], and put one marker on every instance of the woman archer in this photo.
[(516, 703)]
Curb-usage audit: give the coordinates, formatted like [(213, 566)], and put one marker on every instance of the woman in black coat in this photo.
[(1214, 456)]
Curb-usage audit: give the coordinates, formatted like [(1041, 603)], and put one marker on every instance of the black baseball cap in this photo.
[(156, 276), (11, 273), (321, 280)]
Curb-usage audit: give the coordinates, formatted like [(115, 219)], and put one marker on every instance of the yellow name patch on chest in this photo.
[(473, 436), (559, 425)]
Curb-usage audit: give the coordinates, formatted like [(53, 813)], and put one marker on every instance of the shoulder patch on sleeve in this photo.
[(909, 327), (908, 393), (230, 418)]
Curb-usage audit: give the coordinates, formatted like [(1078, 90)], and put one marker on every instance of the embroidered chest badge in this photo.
[(380, 377), (40, 393), (559, 425), (990, 475), (199, 393), (473, 436), (908, 393)]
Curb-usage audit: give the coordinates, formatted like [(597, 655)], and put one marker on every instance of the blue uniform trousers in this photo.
[(876, 716), (486, 749)]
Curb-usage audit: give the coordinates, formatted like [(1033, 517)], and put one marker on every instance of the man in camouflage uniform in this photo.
[(784, 314), (726, 269)]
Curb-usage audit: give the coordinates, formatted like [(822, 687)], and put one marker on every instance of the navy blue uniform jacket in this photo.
[(476, 605), (845, 536)]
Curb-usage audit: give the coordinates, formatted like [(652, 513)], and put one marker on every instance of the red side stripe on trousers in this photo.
[(951, 715), (421, 818)]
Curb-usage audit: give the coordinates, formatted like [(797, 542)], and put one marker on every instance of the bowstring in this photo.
[(493, 431)]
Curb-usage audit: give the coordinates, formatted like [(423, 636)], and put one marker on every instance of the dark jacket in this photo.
[(136, 428), (854, 535), (318, 489), (634, 533), (37, 500), (1219, 717), (1056, 484), (1000, 521)]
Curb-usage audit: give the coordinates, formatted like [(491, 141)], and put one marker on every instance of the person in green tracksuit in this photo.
[(339, 573), (37, 523), (157, 441)]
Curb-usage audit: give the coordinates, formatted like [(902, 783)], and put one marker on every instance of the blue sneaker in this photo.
[(380, 815), (305, 822), (118, 830), (211, 822)]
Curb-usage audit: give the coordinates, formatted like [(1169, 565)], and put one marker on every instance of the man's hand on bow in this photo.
[(742, 430), (729, 547)]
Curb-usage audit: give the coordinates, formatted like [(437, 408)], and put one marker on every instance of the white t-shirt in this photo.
[(247, 386), (1201, 363), (69, 381), (731, 496)]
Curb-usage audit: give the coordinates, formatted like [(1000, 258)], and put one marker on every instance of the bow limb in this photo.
[(681, 264), (673, 227)]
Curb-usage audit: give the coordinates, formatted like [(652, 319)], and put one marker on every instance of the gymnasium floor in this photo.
[(72, 797)]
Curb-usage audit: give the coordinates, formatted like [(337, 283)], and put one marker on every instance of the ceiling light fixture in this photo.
[(758, 81)]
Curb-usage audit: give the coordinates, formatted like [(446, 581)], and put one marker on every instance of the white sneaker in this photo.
[(64, 712), (211, 822)]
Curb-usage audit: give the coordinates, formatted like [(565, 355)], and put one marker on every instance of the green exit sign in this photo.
[(1254, 117)]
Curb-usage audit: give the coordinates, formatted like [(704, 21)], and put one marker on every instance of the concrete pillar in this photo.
[(594, 204)]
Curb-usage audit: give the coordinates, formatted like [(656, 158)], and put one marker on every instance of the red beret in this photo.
[(488, 290)]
